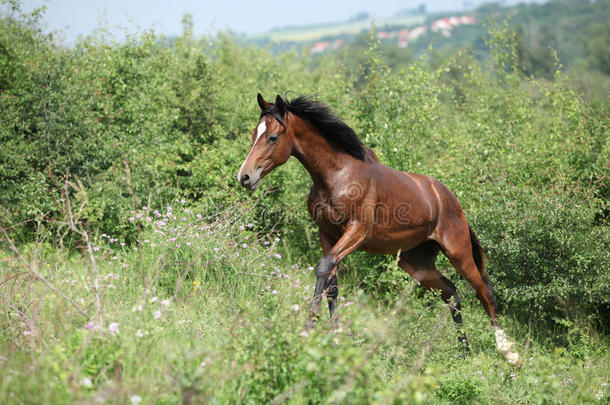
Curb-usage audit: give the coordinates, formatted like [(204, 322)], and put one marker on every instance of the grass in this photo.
[(206, 309)]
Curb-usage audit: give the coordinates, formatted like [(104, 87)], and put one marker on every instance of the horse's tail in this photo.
[(478, 255)]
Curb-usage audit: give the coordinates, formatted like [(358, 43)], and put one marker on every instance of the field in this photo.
[(314, 32), (134, 268)]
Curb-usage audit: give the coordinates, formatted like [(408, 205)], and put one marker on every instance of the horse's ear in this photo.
[(261, 102), (280, 105)]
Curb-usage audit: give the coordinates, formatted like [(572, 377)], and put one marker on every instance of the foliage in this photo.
[(136, 127)]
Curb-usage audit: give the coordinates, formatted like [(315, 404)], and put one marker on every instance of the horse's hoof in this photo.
[(514, 359)]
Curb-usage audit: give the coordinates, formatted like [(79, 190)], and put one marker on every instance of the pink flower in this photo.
[(90, 325), (274, 292)]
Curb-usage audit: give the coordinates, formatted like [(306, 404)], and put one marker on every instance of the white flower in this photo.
[(139, 333), (135, 399), (157, 314), (113, 328), (165, 303), (154, 299), (86, 382), (295, 307)]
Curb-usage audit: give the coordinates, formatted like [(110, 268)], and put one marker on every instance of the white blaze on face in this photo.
[(262, 127)]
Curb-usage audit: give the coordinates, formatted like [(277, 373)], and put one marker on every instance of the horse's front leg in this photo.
[(326, 270)]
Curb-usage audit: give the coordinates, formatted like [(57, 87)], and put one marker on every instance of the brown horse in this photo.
[(358, 203)]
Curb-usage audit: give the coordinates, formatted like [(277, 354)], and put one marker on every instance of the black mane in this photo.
[(322, 117)]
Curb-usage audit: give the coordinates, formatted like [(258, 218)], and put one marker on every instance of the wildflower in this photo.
[(244, 245), (139, 215), (96, 248), (304, 333), (274, 292), (148, 219), (183, 201), (241, 228), (250, 226), (154, 299), (196, 283), (135, 399), (113, 328), (199, 216), (157, 314), (310, 268), (295, 307), (131, 219), (139, 333), (276, 239), (86, 382), (137, 308), (122, 244), (277, 256), (165, 303), (216, 249), (90, 325)]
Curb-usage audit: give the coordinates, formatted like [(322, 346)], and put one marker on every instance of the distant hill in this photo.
[(579, 30), (320, 31)]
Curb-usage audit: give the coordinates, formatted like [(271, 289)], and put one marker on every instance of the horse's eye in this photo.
[(272, 139)]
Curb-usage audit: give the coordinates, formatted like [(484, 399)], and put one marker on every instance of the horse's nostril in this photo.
[(245, 180)]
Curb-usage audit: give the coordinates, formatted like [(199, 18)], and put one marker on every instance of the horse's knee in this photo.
[(325, 266)]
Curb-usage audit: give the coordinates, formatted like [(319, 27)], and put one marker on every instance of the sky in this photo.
[(81, 17)]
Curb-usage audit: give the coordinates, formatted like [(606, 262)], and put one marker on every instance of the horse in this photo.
[(360, 204)]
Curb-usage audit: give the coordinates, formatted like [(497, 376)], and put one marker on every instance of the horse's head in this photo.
[(271, 144)]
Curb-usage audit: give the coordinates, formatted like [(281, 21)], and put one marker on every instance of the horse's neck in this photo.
[(322, 162)]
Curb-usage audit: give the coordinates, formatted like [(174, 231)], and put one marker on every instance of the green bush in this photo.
[(149, 121)]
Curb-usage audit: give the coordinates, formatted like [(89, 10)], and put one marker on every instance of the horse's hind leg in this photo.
[(466, 255), (419, 262)]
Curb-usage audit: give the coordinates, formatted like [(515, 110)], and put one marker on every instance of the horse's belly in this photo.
[(388, 242)]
